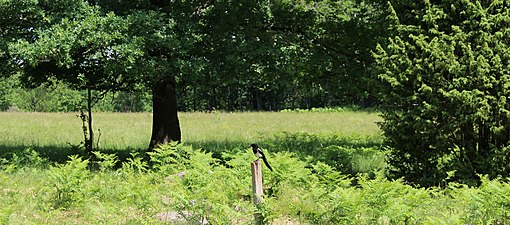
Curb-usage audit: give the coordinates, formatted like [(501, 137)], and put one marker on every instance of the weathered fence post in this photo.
[(256, 178)]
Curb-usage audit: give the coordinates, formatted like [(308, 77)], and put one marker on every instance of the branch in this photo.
[(201, 7), (283, 29)]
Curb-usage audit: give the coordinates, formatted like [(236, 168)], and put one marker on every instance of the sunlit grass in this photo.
[(132, 130)]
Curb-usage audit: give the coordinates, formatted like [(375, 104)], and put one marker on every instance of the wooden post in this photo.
[(256, 180)]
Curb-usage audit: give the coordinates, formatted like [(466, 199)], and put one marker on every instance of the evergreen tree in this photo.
[(445, 78)]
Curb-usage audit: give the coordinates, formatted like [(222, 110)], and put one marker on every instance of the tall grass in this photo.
[(349, 140), (114, 130), (217, 130)]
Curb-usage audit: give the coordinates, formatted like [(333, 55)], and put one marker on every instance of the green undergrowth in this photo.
[(348, 153), (183, 185)]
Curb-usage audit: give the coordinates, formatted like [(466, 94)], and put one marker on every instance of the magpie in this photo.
[(258, 152)]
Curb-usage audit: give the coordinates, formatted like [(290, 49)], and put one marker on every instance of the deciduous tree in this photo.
[(88, 50)]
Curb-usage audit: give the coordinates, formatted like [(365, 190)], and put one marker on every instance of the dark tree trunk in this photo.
[(165, 122), (257, 101)]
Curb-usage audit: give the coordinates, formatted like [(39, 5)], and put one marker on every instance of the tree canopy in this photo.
[(89, 50), (257, 55)]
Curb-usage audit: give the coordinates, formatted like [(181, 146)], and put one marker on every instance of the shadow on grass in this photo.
[(60, 154), (348, 154)]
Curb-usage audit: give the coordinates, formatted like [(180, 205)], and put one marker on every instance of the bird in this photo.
[(258, 152)]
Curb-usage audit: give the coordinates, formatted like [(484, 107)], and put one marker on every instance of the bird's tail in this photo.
[(267, 164)]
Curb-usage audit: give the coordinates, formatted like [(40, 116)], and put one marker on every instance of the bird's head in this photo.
[(254, 145)]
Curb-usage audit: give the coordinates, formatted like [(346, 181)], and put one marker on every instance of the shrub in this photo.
[(445, 86), (6, 89), (53, 96)]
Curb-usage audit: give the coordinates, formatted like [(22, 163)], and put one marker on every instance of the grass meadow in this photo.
[(329, 168), (215, 131)]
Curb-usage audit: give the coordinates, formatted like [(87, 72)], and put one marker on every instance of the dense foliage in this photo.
[(282, 54), (446, 83)]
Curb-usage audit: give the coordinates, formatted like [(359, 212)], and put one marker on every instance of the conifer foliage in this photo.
[(445, 83)]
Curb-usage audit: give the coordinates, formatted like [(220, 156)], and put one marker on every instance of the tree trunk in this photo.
[(257, 101), (165, 122), (90, 141)]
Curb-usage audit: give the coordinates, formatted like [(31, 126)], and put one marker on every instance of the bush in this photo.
[(55, 96), (50, 97), (445, 86), (6, 89)]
